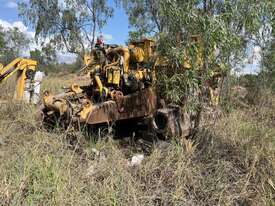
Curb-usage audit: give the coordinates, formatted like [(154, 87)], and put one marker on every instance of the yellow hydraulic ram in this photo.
[(22, 67)]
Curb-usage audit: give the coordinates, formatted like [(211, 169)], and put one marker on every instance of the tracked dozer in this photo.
[(122, 89)]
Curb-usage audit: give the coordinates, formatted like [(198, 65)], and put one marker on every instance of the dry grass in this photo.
[(55, 82), (7, 89), (231, 163)]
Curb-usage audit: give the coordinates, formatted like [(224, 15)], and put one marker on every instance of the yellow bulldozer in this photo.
[(122, 89)]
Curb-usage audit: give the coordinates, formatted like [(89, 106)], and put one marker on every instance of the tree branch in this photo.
[(67, 46)]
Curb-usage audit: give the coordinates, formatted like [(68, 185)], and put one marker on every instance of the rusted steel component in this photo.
[(140, 104), (115, 95), (86, 108), (55, 104), (172, 122), (76, 89)]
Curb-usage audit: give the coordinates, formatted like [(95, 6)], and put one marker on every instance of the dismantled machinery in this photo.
[(121, 89), (27, 81)]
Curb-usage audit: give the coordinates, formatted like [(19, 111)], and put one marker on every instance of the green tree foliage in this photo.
[(2, 39), (224, 26), (145, 17), (268, 71), (71, 24), (45, 56), (13, 44)]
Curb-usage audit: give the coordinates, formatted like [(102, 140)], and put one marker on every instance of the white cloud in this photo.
[(246, 60), (107, 37), (19, 24), (12, 5), (256, 55), (257, 51)]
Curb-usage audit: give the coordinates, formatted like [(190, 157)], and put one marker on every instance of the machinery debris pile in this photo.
[(121, 90)]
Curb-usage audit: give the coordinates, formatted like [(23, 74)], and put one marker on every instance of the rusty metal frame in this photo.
[(140, 104)]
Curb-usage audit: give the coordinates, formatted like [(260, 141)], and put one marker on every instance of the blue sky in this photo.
[(8, 10), (118, 26)]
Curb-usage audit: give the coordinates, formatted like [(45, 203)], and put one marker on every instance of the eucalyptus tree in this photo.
[(144, 17), (45, 56), (268, 70), (2, 40), (228, 27), (13, 43), (70, 24)]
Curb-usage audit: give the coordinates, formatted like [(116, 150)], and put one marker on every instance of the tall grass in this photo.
[(230, 163)]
